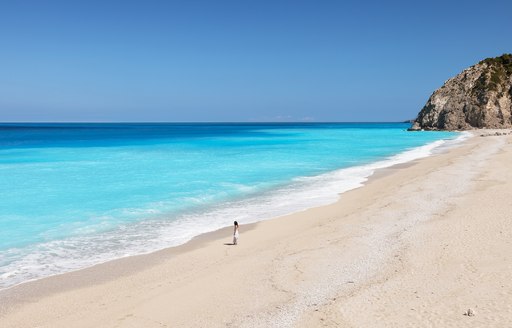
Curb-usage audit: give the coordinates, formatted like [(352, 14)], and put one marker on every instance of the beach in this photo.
[(417, 246)]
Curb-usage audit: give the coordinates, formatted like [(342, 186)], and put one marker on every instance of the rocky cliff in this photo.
[(479, 97)]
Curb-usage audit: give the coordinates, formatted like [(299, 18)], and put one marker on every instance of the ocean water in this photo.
[(75, 195)]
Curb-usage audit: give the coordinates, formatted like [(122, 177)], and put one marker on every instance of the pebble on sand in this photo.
[(469, 313)]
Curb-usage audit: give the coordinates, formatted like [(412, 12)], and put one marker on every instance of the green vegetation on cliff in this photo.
[(504, 61), (499, 71)]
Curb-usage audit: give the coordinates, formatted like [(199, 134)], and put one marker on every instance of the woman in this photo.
[(235, 234)]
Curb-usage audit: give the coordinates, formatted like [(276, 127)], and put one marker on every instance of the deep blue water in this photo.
[(74, 195)]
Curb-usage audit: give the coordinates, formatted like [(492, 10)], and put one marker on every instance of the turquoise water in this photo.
[(74, 195)]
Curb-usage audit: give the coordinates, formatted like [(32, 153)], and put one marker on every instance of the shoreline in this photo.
[(133, 263), (355, 227), (356, 181), (114, 268)]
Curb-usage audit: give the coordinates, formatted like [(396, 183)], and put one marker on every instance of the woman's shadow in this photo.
[(229, 244)]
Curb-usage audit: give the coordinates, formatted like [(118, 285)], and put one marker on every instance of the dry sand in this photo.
[(416, 247)]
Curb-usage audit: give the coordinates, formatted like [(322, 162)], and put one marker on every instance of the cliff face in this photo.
[(479, 97)]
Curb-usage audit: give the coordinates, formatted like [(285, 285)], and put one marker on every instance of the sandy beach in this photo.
[(417, 246)]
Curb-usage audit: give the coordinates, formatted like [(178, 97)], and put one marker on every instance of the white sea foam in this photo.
[(55, 257)]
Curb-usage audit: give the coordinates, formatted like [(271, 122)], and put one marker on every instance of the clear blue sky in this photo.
[(238, 60)]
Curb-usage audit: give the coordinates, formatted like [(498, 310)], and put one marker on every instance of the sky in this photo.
[(237, 61)]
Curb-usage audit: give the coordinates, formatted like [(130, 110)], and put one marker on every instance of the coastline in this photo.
[(298, 194), (286, 263)]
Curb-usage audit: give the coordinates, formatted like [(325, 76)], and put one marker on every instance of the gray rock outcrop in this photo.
[(479, 97)]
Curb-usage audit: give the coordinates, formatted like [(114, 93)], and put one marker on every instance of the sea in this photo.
[(76, 195)]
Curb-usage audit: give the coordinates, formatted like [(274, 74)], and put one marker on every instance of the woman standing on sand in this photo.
[(235, 234)]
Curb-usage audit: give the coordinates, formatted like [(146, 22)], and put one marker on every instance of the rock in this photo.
[(479, 97), (469, 313), (415, 127), (490, 133)]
